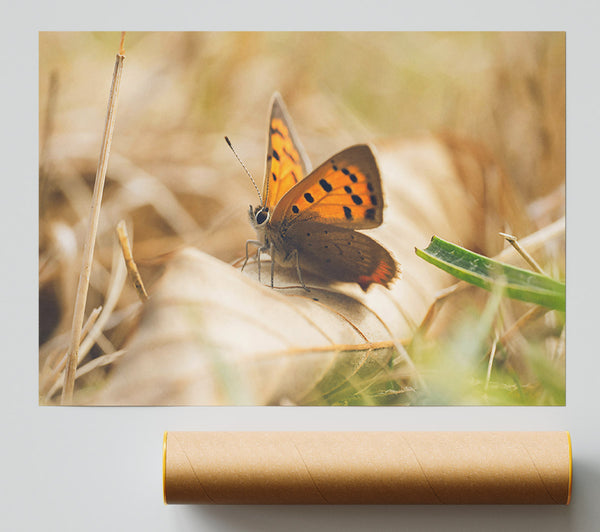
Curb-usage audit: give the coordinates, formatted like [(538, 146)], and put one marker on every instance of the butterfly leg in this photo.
[(258, 261), (256, 243), (297, 259), (272, 264)]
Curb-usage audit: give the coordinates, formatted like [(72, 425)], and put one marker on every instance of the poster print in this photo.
[(400, 239)]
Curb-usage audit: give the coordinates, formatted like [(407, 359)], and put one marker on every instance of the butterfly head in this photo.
[(259, 217)]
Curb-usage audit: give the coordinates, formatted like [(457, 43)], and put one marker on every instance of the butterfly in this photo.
[(308, 219)]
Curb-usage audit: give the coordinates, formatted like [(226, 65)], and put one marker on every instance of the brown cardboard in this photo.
[(367, 468)]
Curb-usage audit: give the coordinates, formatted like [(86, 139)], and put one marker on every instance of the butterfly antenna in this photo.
[(246, 169)]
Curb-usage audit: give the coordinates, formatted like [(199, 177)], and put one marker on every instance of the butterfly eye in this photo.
[(261, 217)]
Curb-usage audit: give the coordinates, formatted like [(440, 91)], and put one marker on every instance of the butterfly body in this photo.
[(311, 222)]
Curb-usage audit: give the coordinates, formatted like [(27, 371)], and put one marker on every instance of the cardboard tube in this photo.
[(367, 467)]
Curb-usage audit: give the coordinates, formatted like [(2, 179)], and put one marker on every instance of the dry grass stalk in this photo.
[(512, 240), (113, 293), (88, 252), (51, 349), (491, 362), (530, 315), (99, 362), (538, 239), (50, 374), (132, 269)]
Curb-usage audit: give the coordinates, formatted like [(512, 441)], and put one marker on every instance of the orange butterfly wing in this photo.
[(287, 162), (344, 191)]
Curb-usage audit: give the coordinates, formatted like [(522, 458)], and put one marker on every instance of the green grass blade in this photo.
[(489, 274)]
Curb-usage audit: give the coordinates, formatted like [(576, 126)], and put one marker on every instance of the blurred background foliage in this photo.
[(172, 177)]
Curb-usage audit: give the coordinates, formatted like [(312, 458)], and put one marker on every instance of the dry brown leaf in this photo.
[(212, 335)]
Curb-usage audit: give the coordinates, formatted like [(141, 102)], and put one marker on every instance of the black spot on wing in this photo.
[(308, 197), (275, 155), (275, 131), (348, 189), (273, 176), (325, 185), (370, 214), (373, 199), (295, 209), (356, 199), (348, 213)]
